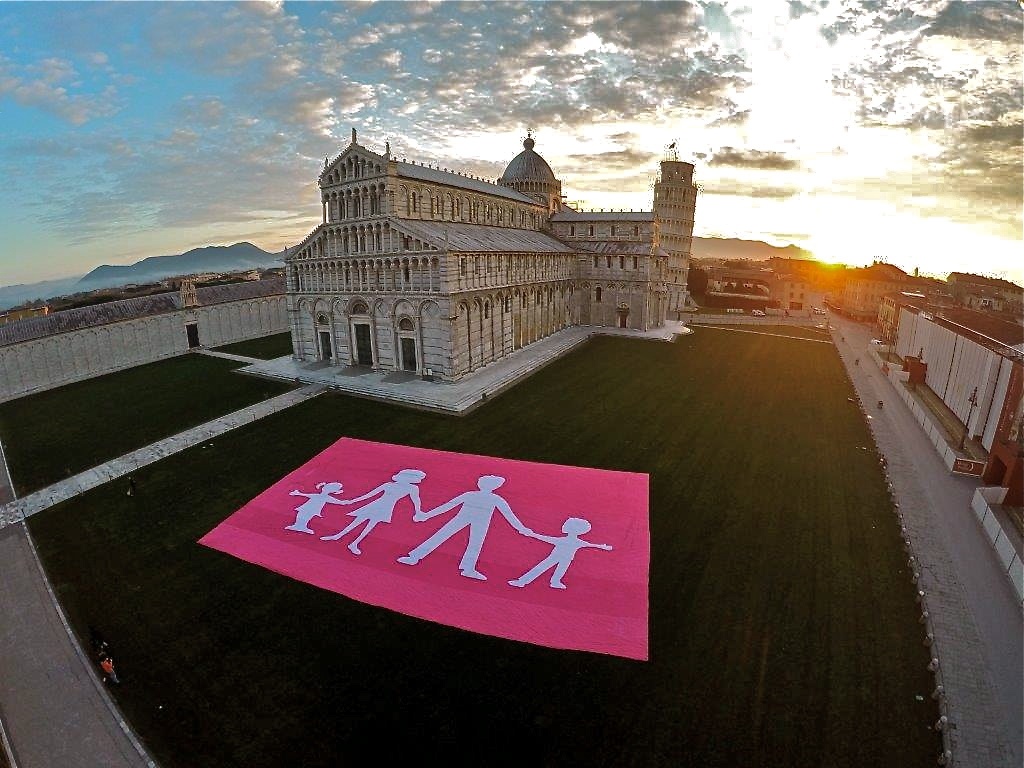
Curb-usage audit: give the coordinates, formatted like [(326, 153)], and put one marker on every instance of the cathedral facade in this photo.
[(439, 273)]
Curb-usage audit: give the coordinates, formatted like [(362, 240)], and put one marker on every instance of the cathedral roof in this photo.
[(455, 236), (437, 176), (618, 247), (527, 166), (568, 214)]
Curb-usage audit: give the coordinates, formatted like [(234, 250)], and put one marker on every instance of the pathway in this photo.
[(226, 355), (976, 616), (457, 397), (27, 506), (6, 484), (55, 710), (762, 333)]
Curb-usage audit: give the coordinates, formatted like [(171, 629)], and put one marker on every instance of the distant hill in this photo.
[(13, 295), (212, 258), (752, 250)]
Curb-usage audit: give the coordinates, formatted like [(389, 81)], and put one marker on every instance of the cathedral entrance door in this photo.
[(623, 318), (325, 345), (409, 355), (364, 352)]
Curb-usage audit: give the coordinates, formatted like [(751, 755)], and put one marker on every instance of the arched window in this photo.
[(321, 319), (405, 273), (597, 294), (360, 308), (487, 310), (405, 324)]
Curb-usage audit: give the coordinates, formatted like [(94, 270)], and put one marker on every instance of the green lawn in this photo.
[(783, 624), (56, 434), (265, 347)]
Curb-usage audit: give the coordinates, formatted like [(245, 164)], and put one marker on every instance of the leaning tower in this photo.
[(675, 198)]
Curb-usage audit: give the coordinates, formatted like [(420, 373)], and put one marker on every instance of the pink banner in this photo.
[(541, 553)]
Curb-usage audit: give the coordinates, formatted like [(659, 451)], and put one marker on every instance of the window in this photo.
[(622, 262), (613, 230), (572, 230), (405, 324), (595, 262), (487, 310), (608, 260), (597, 295), (360, 308), (405, 273), (321, 319), (590, 230), (636, 231), (415, 203), (462, 267), (635, 262)]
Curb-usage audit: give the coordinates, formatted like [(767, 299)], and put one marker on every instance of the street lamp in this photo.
[(973, 400)]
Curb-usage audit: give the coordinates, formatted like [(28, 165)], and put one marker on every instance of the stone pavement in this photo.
[(54, 708), (450, 397), (761, 333), (27, 506), (226, 355), (974, 613)]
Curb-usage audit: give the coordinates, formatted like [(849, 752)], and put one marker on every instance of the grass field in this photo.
[(783, 624), (264, 348), (56, 434)]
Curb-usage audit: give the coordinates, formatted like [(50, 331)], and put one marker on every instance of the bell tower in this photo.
[(675, 200)]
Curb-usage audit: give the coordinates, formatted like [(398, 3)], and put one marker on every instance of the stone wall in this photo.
[(62, 358)]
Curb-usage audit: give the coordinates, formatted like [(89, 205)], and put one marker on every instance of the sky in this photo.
[(857, 130)]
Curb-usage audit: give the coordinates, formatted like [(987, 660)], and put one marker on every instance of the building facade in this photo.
[(41, 353), (439, 273)]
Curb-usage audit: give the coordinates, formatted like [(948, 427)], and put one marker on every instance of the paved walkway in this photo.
[(763, 333), (27, 506), (54, 709), (975, 613), (450, 397), (226, 355), (6, 484)]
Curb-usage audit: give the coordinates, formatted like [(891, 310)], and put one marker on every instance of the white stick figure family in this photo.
[(475, 510)]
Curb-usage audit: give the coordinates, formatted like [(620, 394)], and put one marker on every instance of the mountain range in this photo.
[(240, 256)]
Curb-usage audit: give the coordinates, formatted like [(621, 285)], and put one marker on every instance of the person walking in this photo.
[(107, 665)]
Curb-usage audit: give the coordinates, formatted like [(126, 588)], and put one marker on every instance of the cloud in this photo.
[(44, 85), (753, 158), (736, 188)]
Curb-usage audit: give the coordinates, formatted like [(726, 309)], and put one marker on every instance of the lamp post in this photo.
[(973, 400)]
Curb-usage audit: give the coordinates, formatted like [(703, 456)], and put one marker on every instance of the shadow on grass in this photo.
[(783, 626)]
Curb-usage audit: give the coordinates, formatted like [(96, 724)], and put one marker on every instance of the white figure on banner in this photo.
[(402, 485), (477, 509), (565, 549), (314, 507)]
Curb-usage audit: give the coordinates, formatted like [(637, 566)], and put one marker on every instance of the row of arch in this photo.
[(409, 273), (352, 167), (354, 203), (425, 202), (329, 241)]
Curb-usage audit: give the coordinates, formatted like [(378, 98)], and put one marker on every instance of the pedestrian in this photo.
[(131, 485), (107, 665)]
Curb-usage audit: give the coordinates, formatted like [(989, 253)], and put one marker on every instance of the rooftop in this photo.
[(452, 179), (570, 214), (457, 236)]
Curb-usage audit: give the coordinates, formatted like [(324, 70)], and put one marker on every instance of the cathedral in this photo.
[(439, 273)]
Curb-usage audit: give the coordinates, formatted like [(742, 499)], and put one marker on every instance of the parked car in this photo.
[(757, 313)]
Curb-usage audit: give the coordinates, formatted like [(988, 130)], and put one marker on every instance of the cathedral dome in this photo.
[(527, 166)]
